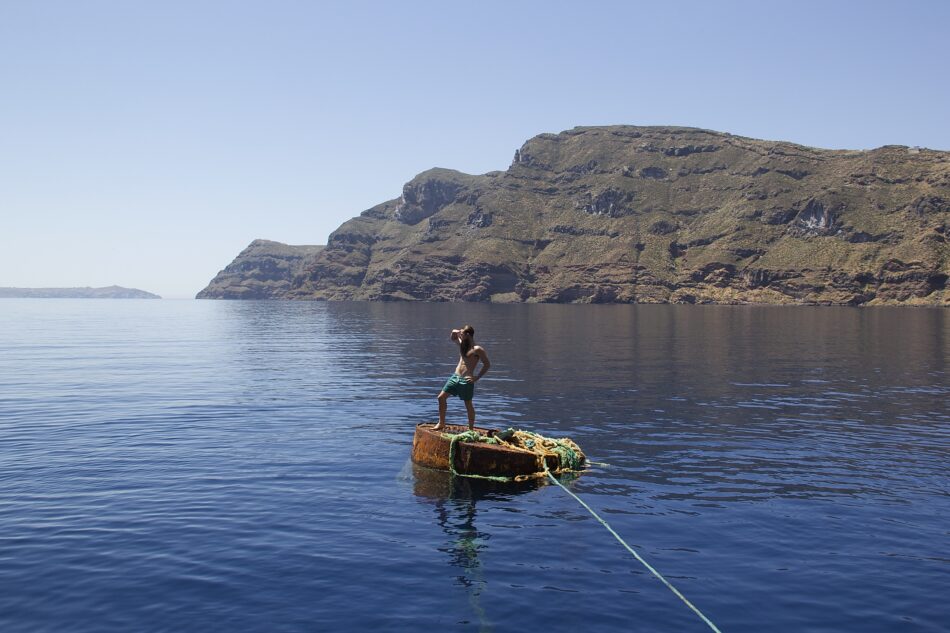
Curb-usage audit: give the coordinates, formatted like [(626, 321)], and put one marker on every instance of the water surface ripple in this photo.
[(198, 466)]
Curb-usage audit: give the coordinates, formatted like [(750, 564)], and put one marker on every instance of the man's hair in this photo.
[(465, 345)]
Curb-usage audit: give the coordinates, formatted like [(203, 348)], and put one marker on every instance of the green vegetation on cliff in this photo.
[(639, 214), (263, 270)]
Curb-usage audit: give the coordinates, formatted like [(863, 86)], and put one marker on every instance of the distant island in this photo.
[(109, 292), (626, 214)]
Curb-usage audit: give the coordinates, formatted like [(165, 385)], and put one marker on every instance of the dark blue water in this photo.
[(198, 466)]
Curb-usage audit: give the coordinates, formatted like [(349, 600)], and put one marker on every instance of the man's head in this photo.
[(468, 330)]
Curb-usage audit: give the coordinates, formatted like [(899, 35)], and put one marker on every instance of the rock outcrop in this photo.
[(263, 270), (639, 214)]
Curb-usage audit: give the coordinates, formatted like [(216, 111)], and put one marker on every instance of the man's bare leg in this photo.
[(471, 414), (443, 405)]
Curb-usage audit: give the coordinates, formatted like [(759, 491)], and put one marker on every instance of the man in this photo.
[(462, 382)]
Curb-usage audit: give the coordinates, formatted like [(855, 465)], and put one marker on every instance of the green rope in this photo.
[(472, 436), (569, 458), (632, 551)]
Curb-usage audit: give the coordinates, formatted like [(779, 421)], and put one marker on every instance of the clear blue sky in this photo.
[(146, 143)]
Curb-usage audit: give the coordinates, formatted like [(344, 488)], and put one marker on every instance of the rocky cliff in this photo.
[(263, 270), (643, 214)]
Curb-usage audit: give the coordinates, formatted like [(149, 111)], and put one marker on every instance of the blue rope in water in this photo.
[(632, 551)]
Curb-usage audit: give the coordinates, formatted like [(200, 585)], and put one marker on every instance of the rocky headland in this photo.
[(108, 292), (263, 270), (638, 215)]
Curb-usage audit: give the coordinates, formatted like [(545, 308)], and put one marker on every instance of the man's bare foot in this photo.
[(438, 427)]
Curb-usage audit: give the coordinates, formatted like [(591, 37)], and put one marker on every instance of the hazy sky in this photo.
[(146, 143)]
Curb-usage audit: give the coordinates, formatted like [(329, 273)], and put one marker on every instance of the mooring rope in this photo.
[(566, 454), (632, 551)]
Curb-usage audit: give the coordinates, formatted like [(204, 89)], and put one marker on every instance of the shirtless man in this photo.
[(462, 383)]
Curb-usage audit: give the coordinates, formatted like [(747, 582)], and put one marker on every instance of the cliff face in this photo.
[(651, 214), (263, 270)]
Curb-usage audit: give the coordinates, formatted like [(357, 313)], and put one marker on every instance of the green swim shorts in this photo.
[(458, 386)]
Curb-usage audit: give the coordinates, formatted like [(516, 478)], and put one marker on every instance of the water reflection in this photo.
[(455, 502), (784, 464), (710, 404)]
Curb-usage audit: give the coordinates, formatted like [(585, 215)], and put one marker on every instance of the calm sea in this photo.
[(243, 466)]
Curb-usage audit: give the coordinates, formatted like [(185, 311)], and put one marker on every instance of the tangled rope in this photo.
[(569, 455)]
